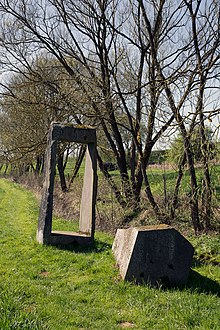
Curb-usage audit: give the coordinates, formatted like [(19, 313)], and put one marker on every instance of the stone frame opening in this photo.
[(85, 236)]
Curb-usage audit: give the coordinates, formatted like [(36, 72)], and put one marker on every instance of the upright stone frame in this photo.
[(85, 236)]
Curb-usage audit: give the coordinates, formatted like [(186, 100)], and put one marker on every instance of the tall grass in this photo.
[(58, 288)]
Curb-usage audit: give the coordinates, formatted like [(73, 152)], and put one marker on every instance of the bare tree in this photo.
[(136, 66), (206, 38), (204, 18), (186, 70)]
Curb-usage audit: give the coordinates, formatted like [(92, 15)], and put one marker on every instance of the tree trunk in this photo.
[(207, 192), (60, 166), (39, 164), (78, 163), (175, 198), (189, 156), (149, 192)]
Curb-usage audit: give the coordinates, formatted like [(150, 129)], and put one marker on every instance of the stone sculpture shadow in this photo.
[(97, 247), (195, 283), (202, 284)]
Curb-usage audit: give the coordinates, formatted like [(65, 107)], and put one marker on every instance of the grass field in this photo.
[(44, 287), (160, 177)]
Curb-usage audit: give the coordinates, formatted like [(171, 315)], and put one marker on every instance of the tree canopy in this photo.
[(140, 68)]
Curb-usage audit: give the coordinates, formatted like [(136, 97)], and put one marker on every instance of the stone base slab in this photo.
[(66, 238)]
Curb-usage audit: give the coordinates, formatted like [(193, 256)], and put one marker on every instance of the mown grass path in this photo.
[(43, 287)]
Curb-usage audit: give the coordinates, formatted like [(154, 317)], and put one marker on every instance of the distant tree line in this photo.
[(135, 70)]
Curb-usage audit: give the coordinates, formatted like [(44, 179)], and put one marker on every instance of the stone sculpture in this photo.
[(153, 254), (45, 235)]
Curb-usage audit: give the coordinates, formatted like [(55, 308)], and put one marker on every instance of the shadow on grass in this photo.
[(202, 284), (97, 247), (196, 283)]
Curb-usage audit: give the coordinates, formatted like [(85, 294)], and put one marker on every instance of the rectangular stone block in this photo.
[(73, 134), (154, 254)]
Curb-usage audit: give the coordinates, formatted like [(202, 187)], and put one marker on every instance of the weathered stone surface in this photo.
[(73, 134), (88, 200), (153, 254), (85, 236)]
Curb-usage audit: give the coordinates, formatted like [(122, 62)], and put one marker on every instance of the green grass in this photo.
[(44, 287), (158, 176)]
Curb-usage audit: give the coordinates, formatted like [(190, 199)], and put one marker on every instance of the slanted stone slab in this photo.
[(153, 254), (68, 237), (85, 236)]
